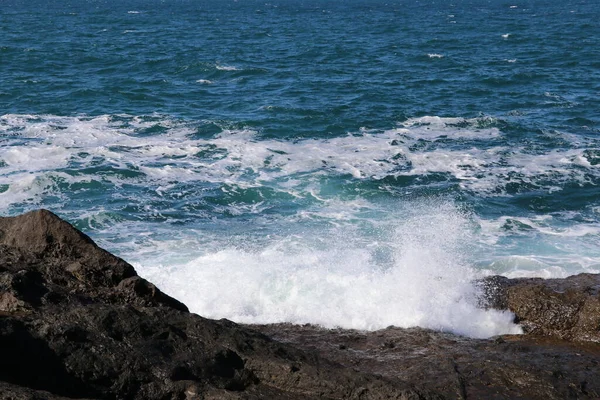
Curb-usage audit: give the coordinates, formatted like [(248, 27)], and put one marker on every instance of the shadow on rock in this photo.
[(78, 322)]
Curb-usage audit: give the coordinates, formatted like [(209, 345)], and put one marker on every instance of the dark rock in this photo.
[(42, 237), (77, 322), (508, 367)]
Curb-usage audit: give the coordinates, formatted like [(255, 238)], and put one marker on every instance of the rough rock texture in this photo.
[(509, 367), (564, 308), (77, 322)]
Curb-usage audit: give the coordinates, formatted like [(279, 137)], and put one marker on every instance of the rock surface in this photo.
[(77, 322), (563, 308)]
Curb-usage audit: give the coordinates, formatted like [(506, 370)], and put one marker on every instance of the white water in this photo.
[(57, 142), (335, 278), (347, 261)]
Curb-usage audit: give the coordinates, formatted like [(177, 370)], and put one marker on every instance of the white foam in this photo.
[(329, 271), (548, 246), (433, 127), (36, 144), (434, 55), (333, 278), (226, 67), (520, 266), (205, 81), (34, 158), (21, 188)]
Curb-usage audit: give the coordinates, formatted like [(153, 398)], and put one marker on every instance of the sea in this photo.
[(346, 163)]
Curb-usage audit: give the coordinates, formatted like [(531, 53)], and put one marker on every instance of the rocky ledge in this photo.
[(77, 322)]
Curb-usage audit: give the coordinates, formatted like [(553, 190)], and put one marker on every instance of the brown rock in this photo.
[(42, 237), (564, 308)]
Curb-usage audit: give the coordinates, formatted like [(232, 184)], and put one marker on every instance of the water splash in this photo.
[(412, 273)]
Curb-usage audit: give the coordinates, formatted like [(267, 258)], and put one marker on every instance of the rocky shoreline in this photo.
[(77, 322)]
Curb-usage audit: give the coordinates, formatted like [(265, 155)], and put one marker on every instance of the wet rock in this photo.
[(453, 367), (566, 308), (77, 322)]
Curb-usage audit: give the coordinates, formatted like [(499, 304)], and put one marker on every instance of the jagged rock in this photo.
[(508, 367), (45, 238), (564, 308), (45, 260), (77, 322)]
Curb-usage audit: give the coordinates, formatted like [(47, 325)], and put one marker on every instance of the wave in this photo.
[(319, 229), (335, 277), (226, 67), (473, 153)]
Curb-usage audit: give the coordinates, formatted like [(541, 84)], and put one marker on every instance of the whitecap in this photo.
[(234, 154), (226, 68)]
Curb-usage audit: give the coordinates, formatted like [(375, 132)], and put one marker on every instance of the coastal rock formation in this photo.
[(77, 322), (454, 367), (564, 308)]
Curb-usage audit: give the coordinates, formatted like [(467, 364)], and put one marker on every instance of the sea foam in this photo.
[(242, 157), (281, 215), (414, 274)]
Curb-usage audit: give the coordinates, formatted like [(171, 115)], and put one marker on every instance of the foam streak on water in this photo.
[(483, 162)]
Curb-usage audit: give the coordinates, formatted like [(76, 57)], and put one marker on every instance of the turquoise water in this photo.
[(354, 163)]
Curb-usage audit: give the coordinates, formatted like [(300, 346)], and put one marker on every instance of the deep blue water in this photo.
[(312, 161)]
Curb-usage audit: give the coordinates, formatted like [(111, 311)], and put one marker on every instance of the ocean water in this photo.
[(345, 163)]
